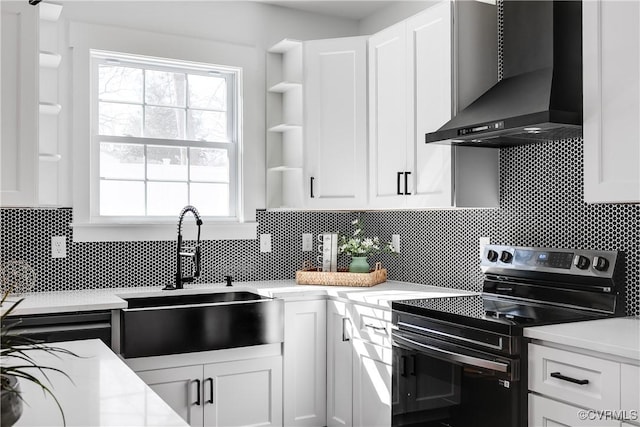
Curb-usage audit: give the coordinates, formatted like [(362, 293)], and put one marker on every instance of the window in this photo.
[(164, 135)]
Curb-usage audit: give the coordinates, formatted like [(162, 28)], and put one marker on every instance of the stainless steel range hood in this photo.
[(540, 96)]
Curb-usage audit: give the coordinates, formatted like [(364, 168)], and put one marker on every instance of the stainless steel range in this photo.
[(461, 361)]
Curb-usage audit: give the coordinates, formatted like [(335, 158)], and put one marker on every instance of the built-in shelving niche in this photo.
[(284, 125), (49, 108)]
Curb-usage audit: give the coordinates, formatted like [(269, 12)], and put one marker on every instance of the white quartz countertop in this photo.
[(112, 298), (618, 336), (100, 391)]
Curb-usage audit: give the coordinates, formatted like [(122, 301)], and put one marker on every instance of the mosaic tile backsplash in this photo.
[(541, 205)]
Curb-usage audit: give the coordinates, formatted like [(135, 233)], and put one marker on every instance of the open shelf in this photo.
[(50, 59), (282, 87)]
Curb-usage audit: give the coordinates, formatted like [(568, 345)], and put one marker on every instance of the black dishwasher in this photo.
[(64, 326)]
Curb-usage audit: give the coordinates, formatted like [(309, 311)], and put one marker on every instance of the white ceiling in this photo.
[(355, 9)]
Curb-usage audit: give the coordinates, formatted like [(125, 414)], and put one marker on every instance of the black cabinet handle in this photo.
[(559, 376), (406, 183), (210, 400), (399, 190), (311, 185), (345, 337), (403, 366), (198, 393)]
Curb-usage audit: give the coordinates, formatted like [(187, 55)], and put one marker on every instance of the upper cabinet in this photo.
[(611, 55), (335, 141), (29, 157), (19, 120), (416, 82)]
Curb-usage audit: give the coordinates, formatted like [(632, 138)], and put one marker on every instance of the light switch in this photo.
[(307, 242), (395, 241)]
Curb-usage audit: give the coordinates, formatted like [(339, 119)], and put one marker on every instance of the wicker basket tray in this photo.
[(311, 276)]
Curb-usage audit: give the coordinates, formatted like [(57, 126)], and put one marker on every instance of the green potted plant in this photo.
[(17, 364), (360, 247)]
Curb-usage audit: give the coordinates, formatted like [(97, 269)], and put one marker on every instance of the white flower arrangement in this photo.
[(360, 246)]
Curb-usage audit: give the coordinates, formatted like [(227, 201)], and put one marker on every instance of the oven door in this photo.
[(437, 383)]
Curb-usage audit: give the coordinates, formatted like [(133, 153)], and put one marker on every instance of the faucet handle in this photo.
[(228, 279)]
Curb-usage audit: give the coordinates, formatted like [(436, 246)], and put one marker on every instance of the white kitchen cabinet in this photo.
[(243, 393), (544, 412), (415, 84), (284, 125), (611, 65), (19, 120), (371, 385), (569, 387), (234, 393), (358, 365), (630, 392), (180, 388), (335, 131), (305, 373), (339, 365)]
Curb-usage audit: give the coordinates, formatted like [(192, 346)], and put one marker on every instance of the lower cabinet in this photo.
[(339, 366), (371, 385), (305, 343), (359, 363), (545, 412), (570, 388), (236, 393)]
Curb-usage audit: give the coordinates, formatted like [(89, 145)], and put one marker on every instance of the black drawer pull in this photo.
[(198, 402), (559, 376), (311, 187), (398, 190)]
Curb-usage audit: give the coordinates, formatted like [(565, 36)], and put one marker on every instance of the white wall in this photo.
[(240, 28), (392, 14)]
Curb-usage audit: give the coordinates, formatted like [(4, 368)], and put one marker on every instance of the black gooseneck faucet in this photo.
[(180, 253)]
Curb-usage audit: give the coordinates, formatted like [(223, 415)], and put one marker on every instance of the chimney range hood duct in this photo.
[(540, 96)]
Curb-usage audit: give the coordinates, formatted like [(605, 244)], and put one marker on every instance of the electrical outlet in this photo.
[(58, 247), (484, 241), (265, 243), (307, 242), (395, 241)]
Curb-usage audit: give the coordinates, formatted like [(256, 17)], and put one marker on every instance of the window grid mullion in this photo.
[(146, 181)]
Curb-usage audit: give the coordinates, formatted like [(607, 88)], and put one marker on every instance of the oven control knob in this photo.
[(492, 255), (600, 263), (581, 261), (506, 257)]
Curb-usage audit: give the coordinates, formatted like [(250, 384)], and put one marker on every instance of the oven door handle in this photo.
[(479, 362)]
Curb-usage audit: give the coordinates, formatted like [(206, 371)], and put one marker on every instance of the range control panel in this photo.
[(569, 261)]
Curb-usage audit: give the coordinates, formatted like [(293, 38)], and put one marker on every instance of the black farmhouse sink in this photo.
[(155, 326)]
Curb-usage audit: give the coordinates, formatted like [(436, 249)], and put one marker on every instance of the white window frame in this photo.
[(233, 75), (83, 37)]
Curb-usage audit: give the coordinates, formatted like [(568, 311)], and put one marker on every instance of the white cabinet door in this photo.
[(544, 412), (611, 58), (19, 120), (305, 374), (180, 388), (339, 365), (630, 391), (389, 108), (429, 52), (243, 393), (336, 122), (371, 385)]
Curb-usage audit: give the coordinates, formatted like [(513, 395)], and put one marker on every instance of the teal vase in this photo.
[(359, 264)]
